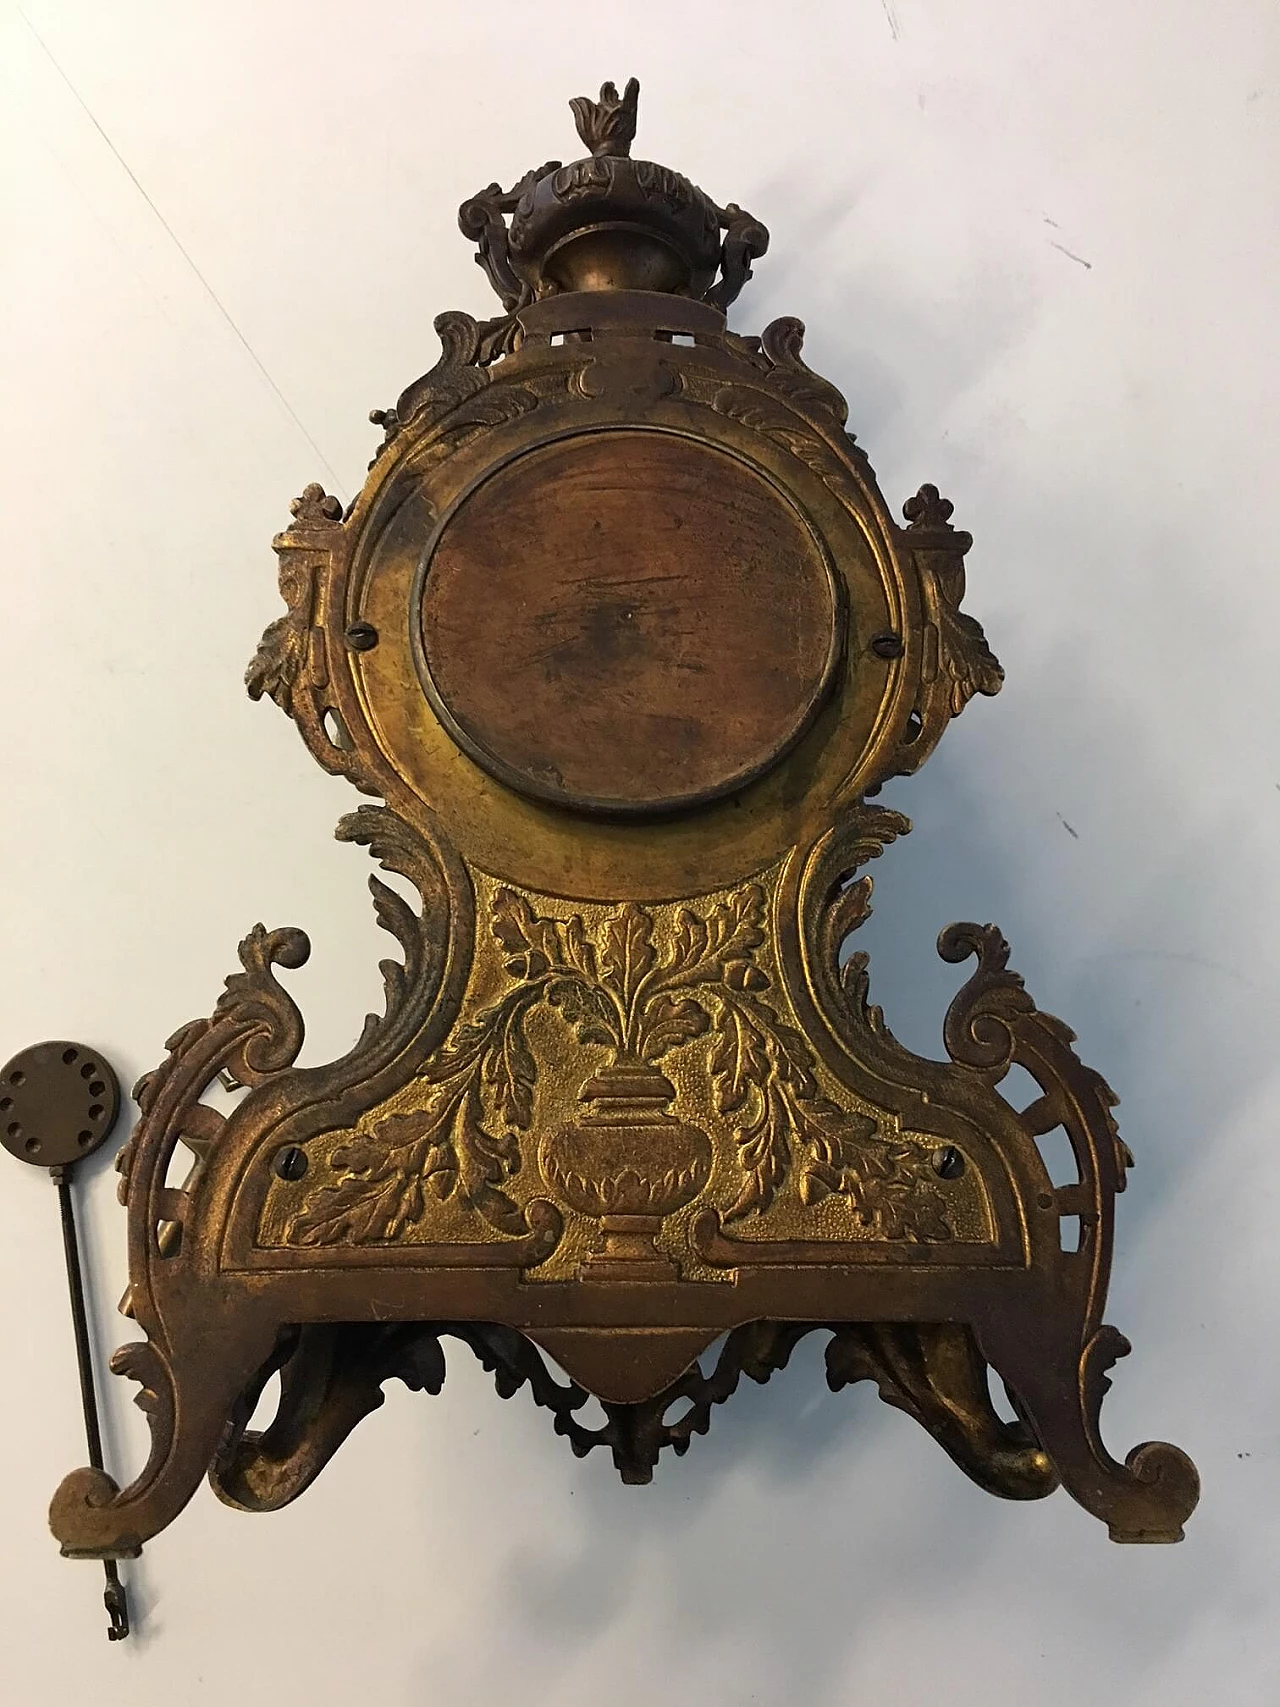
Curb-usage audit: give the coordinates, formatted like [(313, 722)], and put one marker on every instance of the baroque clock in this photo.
[(621, 640)]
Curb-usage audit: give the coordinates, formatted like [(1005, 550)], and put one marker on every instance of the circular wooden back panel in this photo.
[(626, 621)]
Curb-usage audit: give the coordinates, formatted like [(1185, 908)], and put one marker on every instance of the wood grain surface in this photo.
[(627, 621)]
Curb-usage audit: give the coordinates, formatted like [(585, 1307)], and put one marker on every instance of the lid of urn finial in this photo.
[(608, 222)]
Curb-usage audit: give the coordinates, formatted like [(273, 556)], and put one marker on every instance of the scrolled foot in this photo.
[(1170, 1491), (1059, 1389), (1150, 1496), (187, 1400), (80, 1517)]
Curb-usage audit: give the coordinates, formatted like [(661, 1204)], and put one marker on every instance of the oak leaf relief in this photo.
[(642, 999)]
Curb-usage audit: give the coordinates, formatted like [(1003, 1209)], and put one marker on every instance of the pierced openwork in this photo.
[(622, 636)]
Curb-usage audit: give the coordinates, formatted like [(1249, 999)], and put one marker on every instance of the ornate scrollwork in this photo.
[(410, 987), (467, 346), (836, 900), (746, 239), (491, 408), (791, 431), (781, 343), (256, 1030), (992, 1023), (936, 1374), (254, 1033), (482, 219), (332, 1377)]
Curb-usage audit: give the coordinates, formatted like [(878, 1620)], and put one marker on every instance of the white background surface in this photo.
[(1037, 247)]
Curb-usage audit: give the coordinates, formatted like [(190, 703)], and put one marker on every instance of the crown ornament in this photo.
[(608, 222)]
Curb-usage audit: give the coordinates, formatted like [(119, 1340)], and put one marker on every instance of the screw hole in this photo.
[(69, 1055), (14, 1129), (88, 1070), (84, 1137), (32, 1146), (95, 1113), (947, 1162), (6, 1103), (18, 1077), (96, 1088), (290, 1163)]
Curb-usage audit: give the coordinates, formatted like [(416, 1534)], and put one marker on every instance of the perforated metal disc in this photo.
[(58, 1101)]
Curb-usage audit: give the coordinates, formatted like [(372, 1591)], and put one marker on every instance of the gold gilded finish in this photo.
[(657, 1054), (622, 636)]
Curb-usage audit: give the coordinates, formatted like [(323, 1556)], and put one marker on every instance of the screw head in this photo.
[(947, 1162), (887, 645), (289, 1163), (362, 637)]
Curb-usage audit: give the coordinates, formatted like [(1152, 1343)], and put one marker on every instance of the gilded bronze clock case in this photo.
[(622, 636)]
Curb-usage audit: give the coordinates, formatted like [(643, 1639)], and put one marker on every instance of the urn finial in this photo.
[(608, 222)]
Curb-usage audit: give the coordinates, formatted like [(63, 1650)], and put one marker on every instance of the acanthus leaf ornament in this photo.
[(622, 637), (960, 662), (608, 126)]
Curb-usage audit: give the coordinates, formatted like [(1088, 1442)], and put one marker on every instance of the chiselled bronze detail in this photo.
[(607, 1073), (622, 638), (609, 222)]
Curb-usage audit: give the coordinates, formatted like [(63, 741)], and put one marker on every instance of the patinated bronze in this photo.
[(622, 636)]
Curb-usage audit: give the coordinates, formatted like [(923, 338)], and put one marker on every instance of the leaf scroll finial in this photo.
[(608, 126)]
